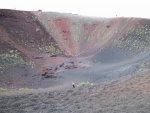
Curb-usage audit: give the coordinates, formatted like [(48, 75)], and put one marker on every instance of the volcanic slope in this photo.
[(42, 51), (100, 48)]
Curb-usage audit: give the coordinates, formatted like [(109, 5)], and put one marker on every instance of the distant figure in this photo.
[(73, 84)]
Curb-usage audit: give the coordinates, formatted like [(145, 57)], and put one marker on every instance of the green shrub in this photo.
[(81, 84), (3, 89)]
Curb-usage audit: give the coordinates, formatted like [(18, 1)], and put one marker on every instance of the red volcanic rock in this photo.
[(89, 28), (63, 25)]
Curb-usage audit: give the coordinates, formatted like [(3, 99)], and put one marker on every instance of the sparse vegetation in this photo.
[(50, 49), (24, 89), (3, 90), (82, 84), (143, 67), (12, 58), (137, 40), (19, 89), (34, 18)]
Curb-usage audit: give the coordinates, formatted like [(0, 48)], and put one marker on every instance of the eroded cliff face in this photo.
[(37, 40), (81, 36)]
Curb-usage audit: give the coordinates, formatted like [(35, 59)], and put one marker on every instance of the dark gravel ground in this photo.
[(129, 96)]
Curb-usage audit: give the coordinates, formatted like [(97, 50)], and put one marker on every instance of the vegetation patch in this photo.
[(50, 49), (24, 89), (82, 84), (3, 89), (12, 58), (143, 67), (137, 40)]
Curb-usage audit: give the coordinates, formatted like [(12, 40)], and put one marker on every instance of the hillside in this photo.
[(49, 51)]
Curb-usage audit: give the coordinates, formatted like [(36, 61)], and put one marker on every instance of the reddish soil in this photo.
[(64, 27)]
